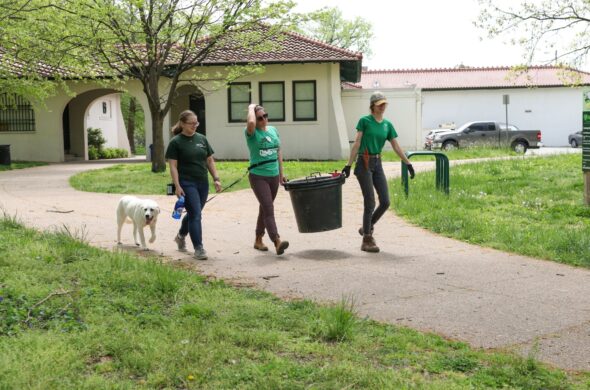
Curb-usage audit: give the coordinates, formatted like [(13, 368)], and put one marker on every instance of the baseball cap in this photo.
[(378, 98)]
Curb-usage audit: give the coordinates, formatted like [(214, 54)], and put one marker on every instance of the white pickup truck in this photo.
[(486, 133)]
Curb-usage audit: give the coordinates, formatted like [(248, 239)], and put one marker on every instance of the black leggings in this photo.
[(369, 178)]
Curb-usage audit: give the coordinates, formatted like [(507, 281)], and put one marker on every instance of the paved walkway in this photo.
[(485, 297)]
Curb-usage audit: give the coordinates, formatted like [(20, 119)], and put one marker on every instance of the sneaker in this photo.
[(181, 242), (200, 254)]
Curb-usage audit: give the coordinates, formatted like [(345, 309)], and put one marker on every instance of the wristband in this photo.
[(216, 179)]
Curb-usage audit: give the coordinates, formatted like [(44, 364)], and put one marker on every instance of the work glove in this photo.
[(346, 171), (411, 170)]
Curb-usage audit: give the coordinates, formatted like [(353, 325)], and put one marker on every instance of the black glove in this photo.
[(346, 171), (411, 170)]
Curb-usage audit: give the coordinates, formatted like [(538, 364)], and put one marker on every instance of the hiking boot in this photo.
[(181, 242), (369, 244), (281, 246), (258, 244), (200, 254), (362, 233)]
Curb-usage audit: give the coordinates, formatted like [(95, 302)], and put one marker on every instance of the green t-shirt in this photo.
[(374, 134), (191, 154), (264, 146)]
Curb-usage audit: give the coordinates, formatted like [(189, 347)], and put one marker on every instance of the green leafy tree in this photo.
[(550, 31), (328, 25), (157, 42), (21, 70)]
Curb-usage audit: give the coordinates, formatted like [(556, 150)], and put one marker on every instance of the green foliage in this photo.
[(328, 25), (548, 31), (93, 153), (114, 320), (338, 322), (531, 206), (96, 151), (108, 153), (95, 138)]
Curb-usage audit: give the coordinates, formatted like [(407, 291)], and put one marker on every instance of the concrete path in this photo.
[(485, 297)]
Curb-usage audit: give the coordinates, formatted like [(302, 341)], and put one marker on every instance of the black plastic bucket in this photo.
[(317, 202), (5, 155)]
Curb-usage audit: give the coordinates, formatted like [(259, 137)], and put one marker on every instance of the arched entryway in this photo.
[(99, 108), (189, 97)]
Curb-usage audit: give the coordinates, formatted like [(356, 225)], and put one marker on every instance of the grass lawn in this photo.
[(21, 165), (459, 154), (532, 206), (75, 317), (138, 178)]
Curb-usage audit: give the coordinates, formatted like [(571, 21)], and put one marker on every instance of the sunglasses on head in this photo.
[(261, 117)]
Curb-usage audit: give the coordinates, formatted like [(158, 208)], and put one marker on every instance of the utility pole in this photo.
[(506, 102)]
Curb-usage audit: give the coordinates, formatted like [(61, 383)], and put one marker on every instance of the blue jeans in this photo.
[(369, 178), (195, 196)]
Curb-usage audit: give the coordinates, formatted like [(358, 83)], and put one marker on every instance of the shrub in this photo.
[(112, 153), (95, 138), (93, 153)]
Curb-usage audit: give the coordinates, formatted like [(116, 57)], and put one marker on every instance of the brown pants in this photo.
[(265, 188)]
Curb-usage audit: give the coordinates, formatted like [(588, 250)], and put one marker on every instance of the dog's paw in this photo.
[(119, 243), (145, 249), (152, 239)]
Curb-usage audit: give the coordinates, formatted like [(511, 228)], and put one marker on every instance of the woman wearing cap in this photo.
[(266, 173), (372, 132)]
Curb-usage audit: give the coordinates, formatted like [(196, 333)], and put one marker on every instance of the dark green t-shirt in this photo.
[(191, 154), (374, 134), (264, 146)]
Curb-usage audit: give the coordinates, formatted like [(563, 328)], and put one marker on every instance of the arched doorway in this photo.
[(197, 105), (189, 97), (78, 116)]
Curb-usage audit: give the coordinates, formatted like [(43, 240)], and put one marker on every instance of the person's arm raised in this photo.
[(251, 119)]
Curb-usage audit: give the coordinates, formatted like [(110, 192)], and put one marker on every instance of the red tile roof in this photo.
[(289, 47), (286, 47), (473, 78), (10, 66)]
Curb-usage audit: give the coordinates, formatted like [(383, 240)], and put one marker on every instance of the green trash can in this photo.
[(5, 155), (317, 202)]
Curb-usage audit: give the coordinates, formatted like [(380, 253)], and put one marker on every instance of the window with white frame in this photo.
[(304, 101), (272, 97), (239, 97)]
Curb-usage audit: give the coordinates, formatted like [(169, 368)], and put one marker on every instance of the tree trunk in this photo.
[(158, 160), (131, 124)]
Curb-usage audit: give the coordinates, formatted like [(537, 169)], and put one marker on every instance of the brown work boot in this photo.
[(281, 246), (258, 244), (369, 244)]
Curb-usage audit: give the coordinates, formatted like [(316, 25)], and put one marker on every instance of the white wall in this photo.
[(403, 110), (557, 112), (110, 122), (321, 139)]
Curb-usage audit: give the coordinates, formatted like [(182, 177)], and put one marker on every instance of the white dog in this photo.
[(142, 213)]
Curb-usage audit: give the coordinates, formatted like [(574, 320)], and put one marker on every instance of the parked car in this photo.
[(488, 133), (430, 136), (575, 139)]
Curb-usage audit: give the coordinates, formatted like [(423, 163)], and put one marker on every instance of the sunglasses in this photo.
[(261, 117)]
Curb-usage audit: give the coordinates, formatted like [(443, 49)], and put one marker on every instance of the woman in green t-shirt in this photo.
[(372, 132), (191, 157), (266, 173)]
